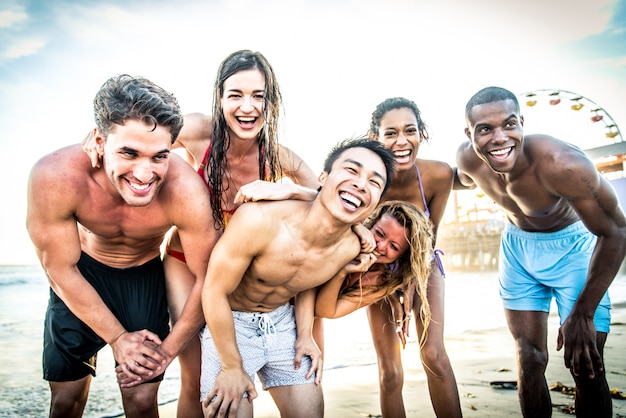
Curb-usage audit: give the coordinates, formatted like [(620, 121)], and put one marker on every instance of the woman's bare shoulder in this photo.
[(439, 170)]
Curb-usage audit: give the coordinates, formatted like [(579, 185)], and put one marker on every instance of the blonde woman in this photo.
[(401, 259)]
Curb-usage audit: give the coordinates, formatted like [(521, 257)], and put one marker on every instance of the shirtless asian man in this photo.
[(271, 252)]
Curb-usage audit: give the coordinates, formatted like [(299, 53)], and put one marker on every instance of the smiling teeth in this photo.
[(347, 196), (501, 151), (402, 153), (140, 186), (248, 119)]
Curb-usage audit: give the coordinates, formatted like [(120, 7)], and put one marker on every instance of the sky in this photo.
[(335, 61)]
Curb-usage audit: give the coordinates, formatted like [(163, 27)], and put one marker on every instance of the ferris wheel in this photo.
[(563, 107), (579, 120)]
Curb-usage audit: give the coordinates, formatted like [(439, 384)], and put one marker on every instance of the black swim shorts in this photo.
[(135, 295)]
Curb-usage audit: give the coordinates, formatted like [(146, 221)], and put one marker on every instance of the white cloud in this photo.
[(99, 23), (23, 48), (9, 18)]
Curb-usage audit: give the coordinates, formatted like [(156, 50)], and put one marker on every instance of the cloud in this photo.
[(23, 48), (100, 23), (12, 23), (10, 18)]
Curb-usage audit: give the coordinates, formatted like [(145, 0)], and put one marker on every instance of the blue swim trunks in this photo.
[(266, 343), (537, 266)]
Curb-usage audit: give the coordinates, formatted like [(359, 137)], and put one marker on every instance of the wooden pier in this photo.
[(470, 246)]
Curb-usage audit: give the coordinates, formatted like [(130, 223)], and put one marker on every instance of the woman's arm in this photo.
[(328, 295), (194, 137), (267, 190), (297, 169), (303, 184), (329, 304)]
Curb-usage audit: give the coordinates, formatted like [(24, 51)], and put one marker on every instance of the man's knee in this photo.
[(61, 406), (141, 399), (532, 358), (310, 400), (68, 399)]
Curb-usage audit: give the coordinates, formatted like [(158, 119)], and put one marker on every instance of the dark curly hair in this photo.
[(397, 103), (124, 97)]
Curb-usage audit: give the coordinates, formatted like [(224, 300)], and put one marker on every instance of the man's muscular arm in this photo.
[(229, 262), (305, 344), (595, 201)]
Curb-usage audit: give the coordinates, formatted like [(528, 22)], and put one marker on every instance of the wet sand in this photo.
[(478, 358)]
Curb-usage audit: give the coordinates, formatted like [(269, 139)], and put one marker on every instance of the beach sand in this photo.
[(478, 358)]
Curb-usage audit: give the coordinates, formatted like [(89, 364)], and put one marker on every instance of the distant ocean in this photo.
[(472, 303)]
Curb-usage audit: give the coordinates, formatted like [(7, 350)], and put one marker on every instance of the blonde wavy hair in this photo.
[(413, 266)]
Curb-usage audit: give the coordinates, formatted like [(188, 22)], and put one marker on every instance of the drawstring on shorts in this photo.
[(266, 324)]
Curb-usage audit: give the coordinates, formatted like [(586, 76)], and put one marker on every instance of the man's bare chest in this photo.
[(110, 221), (524, 199), (299, 268)]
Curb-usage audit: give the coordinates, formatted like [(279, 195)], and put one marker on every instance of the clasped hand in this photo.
[(139, 357)]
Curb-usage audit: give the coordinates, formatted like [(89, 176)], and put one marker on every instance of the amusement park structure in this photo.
[(470, 235)]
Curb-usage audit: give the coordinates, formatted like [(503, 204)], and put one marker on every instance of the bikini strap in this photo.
[(205, 160), (419, 178), (437, 257)]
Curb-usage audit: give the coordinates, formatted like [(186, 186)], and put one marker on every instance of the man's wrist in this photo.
[(114, 340)]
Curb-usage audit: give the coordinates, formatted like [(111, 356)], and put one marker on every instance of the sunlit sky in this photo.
[(335, 60)]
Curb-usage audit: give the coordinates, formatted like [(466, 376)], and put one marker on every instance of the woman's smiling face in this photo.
[(391, 239), (243, 103)]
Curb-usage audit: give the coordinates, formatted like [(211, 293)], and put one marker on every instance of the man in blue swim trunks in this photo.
[(98, 231), (566, 239), (271, 252)]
